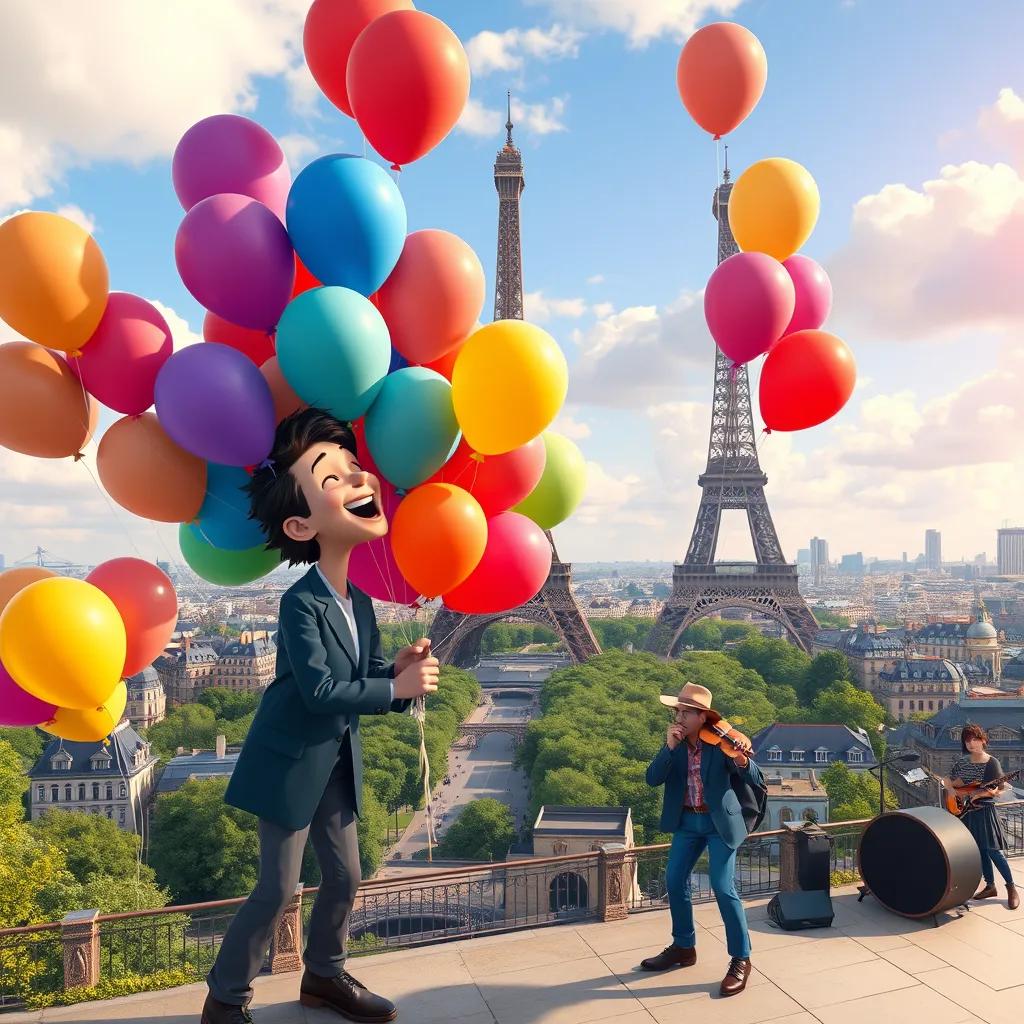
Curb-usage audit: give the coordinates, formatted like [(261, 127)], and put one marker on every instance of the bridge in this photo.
[(474, 730)]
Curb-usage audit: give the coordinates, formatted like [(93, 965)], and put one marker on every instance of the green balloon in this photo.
[(225, 568), (561, 486)]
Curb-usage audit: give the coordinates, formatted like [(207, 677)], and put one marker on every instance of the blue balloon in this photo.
[(398, 361), (411, 429), (223, 519), (334, 349), (346, 219)]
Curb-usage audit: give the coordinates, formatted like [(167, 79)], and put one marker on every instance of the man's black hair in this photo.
[(274, 494)]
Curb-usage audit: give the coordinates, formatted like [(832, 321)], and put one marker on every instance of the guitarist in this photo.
[(978, 767)]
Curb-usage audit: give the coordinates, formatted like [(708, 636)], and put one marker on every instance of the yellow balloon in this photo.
[(63, 641), (92, 723), (508, 384), (18, 578), (773, 207)]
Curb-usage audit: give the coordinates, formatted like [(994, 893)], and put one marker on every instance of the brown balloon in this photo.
[(44, 410), (285, 400), (145, 472)]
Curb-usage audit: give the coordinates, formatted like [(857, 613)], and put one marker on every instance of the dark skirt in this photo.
[(985, 826)]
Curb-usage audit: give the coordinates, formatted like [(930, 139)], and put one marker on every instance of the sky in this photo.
[(909, 116)]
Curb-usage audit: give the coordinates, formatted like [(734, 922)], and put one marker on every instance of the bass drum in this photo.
[(919, 861)]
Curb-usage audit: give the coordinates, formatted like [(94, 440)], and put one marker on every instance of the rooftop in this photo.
[(581, 820)]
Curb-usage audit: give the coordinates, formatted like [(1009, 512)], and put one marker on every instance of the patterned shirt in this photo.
[(694, 783)]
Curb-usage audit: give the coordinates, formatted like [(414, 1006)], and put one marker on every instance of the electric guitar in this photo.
[(965, 798)]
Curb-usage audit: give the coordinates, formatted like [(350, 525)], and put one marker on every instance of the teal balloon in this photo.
[(334, 349), (411, 429), (223, 519), (225, 568), (561, 486)]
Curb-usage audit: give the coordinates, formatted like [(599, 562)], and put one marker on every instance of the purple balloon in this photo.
[(747, 304), (215, 403), (230, 153), (20, 708), (235, 257), (813, 294)]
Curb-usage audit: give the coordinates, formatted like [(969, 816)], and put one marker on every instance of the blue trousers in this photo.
[(697, 832), (992, 856)]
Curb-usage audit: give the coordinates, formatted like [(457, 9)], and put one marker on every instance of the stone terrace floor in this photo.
[(871, 967)]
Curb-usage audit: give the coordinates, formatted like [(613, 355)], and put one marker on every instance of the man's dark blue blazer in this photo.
[(319, 691)]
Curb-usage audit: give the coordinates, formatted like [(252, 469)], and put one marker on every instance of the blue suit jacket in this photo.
[(671, 768), (312, 707)]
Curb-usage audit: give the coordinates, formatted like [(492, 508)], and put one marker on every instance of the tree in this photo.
[(192, 726), (484, 831), (230, 704), (825, 670), (775, 661), (93, 845), (843, 703), (29, 743), (852, 795), (572, 788)]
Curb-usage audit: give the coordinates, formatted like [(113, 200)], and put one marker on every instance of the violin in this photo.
[(727, 738)]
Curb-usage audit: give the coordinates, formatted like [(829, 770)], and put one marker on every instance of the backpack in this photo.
[(753, 800)]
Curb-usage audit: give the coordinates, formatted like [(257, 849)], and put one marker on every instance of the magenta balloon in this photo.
[(747, 304), (515, 564), (372, 566), (125, 353), (235, 257), (214, 402), (20, 708), (230, 153), (813, 294)]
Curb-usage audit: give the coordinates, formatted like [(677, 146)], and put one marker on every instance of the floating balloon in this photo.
[(347, 221), (813, 294), (372, 566), (43, 409), (721, 75), (434, 295), (514, 566), (230, 153), (54, 285), (18, 578), (215, 403), (63, 641), (446, 364), (497, 481), (255, 345), (91, 724), (144, 471), (285, 400), (561, 487), (145, 599), (333, 349), (331, 29), (223, 521), (408, 82), (124, 355), (225, 568), (234, 256), (410, 428), (509, 382), (747, 304), (18, 707), (806, 379), (773, 207), (438, 536), (304, 280)]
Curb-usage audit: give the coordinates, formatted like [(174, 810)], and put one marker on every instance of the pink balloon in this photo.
[(515, 564), (813, 294), (125, 353), (371, 566), (496, 481), (20, 708), (230, 153), (747, 304), (236, 259)]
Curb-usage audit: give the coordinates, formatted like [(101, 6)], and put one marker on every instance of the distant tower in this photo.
[(456, 637), (933, 550)]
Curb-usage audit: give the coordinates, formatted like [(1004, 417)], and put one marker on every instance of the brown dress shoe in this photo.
[(985, 894), (346, 996), (670, 956), (1012, 899), (735, 980)]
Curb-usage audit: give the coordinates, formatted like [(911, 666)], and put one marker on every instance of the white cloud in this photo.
[(1003, 123), (595, 279), (74, 213), (298, 150), (532, 118), (182, 334), (506, 51), (570, 427), (539, 308)]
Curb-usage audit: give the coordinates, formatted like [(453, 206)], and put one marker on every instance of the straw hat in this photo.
[(692, 695)]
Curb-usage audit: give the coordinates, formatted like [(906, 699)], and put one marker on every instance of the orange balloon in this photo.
[(285, 400), (721, 75), (438, 536), (54, 285), (17, 579), (145, 472), (44, 410)]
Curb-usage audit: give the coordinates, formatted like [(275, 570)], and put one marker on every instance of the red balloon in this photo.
[(331, 28), (408, 81), (497, 481), (807, 377), (515, 564), (446, 364), (304, 280), (148, 605), (372, 566), (255, 344)]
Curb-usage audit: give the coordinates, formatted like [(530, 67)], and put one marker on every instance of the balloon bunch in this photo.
[(766, 299)]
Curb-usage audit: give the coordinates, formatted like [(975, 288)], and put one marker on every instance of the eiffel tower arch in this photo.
[(733, 479), (455, 637)]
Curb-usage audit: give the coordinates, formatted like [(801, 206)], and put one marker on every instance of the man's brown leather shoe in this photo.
[(1012, 899), (216, 1012), (735, 980), (346, 996), (985, 894), (670, 956)]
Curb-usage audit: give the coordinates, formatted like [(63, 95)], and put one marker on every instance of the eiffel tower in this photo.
[(456, 636), (733, 479)]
